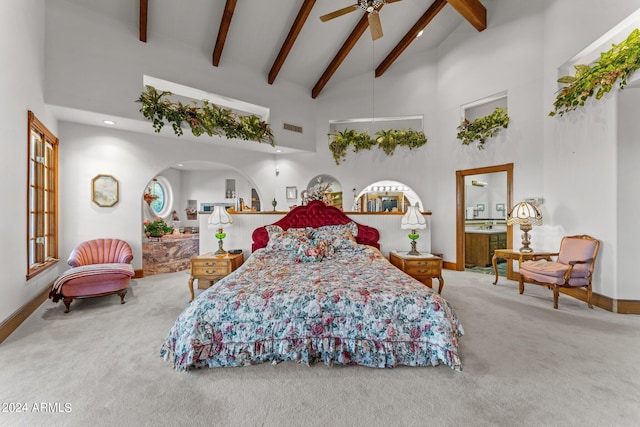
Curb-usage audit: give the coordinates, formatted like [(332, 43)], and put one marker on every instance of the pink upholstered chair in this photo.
[(573, 267), (99, 267)]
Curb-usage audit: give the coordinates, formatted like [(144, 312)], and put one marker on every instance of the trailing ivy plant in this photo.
[(386, 140), (208, 118), (617, 64), (483, 127)]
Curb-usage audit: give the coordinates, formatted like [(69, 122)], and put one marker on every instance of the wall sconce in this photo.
[(478, 183)]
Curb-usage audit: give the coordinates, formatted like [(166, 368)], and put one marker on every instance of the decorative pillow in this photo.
[(312, 251), (338, 239), (351, 226), (286, 240)]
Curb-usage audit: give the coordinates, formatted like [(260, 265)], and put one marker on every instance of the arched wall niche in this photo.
[(386, 196)]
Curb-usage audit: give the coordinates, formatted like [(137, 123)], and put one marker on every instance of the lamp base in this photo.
[(525, 228), (220, 235), (413, 236)]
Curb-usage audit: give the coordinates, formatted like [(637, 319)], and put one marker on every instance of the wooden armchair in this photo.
[(573, 267)]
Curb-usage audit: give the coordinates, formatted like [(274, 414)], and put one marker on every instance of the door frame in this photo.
[(460, 209)]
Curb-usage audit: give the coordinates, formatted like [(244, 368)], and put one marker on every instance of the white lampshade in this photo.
[(220, 218), (413, 219), (525, 213)]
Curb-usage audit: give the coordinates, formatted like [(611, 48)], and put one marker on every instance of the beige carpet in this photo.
[(524, 363)]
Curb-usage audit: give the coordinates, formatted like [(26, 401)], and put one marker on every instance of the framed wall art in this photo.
[(104, 190), (292, 192)]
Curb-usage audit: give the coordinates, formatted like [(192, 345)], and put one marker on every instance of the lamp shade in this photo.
[(525, 213), (413, 219), (220, 218)]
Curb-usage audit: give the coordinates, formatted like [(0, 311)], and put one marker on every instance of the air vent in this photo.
[(292, 128)]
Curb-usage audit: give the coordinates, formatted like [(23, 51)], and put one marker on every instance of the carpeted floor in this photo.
[(524, 364)]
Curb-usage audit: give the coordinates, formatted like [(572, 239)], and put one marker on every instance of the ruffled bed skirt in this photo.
[(371, 353)]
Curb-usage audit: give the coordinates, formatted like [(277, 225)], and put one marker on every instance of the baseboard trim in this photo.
[(628, 306), (138, 274), (11, 324), (449, 265)]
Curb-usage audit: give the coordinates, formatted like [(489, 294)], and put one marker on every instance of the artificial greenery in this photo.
[(387, 140), (617, 64), (208, 118), (156, 228), (483, 127)]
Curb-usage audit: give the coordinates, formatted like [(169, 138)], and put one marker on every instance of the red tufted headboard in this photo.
[(316, 214)]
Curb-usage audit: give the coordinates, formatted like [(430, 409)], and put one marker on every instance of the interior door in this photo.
[(461, 206)]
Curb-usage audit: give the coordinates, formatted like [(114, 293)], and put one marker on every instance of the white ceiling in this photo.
[(256, 34), (265, 24)]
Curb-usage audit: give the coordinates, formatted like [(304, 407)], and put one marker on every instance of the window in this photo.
[(159, 195), (157, 190), (42, 199)]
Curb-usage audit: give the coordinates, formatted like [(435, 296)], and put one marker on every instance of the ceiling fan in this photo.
[(371, 7)]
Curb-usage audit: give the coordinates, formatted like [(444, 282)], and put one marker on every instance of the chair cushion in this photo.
[(576, 249), (553, 273)]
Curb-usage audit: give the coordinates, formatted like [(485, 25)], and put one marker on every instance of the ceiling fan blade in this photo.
[(375, 26), (392, 1), (339, 12)]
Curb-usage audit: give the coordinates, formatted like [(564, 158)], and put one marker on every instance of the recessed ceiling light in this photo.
[(180, 165), (420, 33), (109, 122), (278, 151)]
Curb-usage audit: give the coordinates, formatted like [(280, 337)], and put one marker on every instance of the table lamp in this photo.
[(220, 219), (413, 220), (526, 214)]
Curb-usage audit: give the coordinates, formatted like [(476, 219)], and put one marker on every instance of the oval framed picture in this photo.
[(104, 190)]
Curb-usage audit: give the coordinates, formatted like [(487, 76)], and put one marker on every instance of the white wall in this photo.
[(21, 87), (102, 71), (576, 163)]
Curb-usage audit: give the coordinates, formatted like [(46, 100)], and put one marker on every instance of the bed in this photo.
[(316, 288)]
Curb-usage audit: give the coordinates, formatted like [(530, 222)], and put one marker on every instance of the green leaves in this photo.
[(209, 118), (387, 140), (483, 127), (615, 65)]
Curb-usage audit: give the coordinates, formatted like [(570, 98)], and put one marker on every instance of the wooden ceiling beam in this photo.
[(144, 9), (299, 22), (473, 11), (351, 41), (420, 25), (225, 23)]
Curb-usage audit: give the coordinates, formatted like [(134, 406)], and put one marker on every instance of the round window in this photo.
[(157, 190), (159, 196)]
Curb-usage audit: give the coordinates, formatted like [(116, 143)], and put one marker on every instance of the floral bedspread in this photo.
[(353, 308)]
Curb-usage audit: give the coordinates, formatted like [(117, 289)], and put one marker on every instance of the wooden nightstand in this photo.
[(211, 267), (422, 267)]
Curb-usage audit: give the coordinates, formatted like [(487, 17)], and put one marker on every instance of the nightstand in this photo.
[(423, 267), (211, 267)]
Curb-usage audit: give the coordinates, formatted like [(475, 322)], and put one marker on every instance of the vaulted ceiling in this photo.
[(287, 39)]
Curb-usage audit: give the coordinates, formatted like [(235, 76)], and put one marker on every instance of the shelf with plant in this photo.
[(156, 228), (615, 65), (207, 118), (483, 128), (386, 140)]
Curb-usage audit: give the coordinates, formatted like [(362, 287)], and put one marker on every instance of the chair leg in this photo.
[(589, 296), (67, 303), (521, 284), (122, 293), (556, 293)]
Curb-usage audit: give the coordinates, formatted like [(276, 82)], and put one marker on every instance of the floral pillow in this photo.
[(286, 240), (351, 226), (312, 251), (340, 239)]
